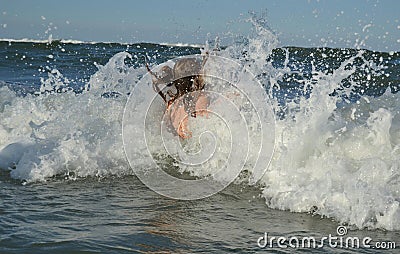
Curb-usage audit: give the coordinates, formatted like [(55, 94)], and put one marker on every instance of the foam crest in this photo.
[(341, 163), (332, 157), (236, 133), (59, 132)]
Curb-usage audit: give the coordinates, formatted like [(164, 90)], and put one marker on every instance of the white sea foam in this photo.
[(60, 133), (339, 163), (343, 163)]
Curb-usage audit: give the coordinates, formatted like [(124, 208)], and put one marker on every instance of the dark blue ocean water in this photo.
[(69, 189)]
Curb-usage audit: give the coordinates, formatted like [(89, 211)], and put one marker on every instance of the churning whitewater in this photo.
[(337, 130)]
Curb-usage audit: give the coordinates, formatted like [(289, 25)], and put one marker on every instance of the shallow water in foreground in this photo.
[(121, 215)]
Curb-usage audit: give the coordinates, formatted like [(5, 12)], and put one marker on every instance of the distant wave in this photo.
[(47, 41), (98, 42), (182, 45)]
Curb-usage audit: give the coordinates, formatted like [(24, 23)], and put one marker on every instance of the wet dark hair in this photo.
[(185, 77)]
